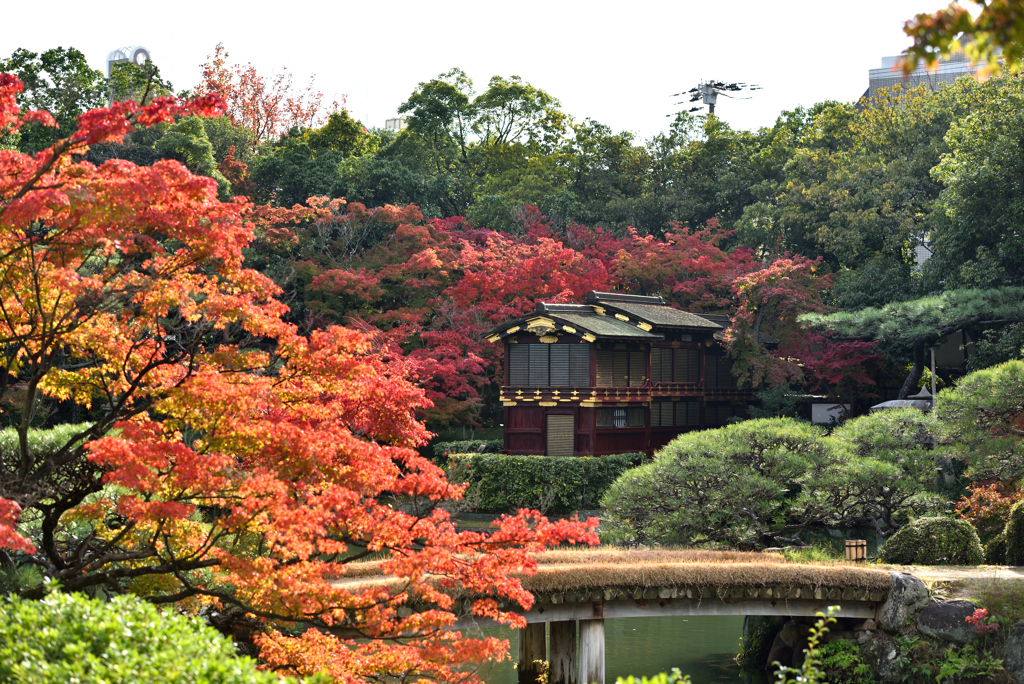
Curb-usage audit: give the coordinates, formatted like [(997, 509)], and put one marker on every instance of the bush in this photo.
[(740, 485), (934, 541), (841, 663), (1014, 535), (995, 550), (71, 638), (442, 450), (506, 483)]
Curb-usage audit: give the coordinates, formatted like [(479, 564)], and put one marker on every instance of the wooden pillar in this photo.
[(591, 652), (532, 652), (563, 653)]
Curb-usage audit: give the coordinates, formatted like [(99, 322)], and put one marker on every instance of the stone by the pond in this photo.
[(880, 654), (868, 625), (907, 596), (947, 620), (792, 633), (1012, 651), (779, 653)]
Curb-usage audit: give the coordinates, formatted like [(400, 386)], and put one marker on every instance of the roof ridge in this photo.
[(595, 296)]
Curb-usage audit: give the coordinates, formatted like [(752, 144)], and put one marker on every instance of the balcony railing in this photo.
[(554, 396)]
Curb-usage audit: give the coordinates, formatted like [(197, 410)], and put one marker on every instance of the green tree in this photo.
[(748, 484), (143, 84), (980, 419), (980, 242), (187, 142), (909, 328), (891, 469), (58, 81)]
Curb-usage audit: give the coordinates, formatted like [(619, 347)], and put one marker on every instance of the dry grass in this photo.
[(570, 569), (564, 570)]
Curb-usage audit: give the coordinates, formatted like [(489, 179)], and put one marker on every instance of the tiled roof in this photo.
[(663, 315), (604, 326)]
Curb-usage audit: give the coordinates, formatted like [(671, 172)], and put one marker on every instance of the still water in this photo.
[(703, 647)]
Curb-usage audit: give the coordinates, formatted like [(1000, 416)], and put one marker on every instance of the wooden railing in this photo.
[(553, 396)]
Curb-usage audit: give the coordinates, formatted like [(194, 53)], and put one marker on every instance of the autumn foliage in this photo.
[(430, 289), (266, 105), (225, 457)]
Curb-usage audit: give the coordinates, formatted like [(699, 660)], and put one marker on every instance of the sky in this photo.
[(616, 63)]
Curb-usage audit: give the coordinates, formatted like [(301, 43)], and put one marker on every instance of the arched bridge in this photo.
[(576, 590)]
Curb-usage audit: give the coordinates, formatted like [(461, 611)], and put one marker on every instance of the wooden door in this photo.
[(561, 436)]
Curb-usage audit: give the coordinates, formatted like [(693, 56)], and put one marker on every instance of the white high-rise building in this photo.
[(946, 71)]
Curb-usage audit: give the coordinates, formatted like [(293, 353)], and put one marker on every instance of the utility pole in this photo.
[(710, 97), (708, 91)]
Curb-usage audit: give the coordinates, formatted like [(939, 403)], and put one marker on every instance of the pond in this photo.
[(703, 647)]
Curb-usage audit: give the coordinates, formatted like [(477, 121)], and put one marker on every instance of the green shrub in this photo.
[(995, 550), (442, 450), (506, 483), (674, 677), (71, 638), (1014, 535), (934, 541), (841, 664)]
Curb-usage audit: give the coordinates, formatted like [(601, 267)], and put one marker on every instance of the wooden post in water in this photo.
[(563, 653), (533, 650), (591, 652)]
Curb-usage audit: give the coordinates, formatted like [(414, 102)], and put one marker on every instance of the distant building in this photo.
[(396, 124), (619, 373), (946, 71), (136, 54)]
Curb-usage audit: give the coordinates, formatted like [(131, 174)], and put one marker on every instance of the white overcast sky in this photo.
[(617, 63)]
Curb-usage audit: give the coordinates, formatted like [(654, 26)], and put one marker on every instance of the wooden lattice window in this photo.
[(688, 414), (549, 365), (688, 365), (621, 368), (661, 364), (661, 414)]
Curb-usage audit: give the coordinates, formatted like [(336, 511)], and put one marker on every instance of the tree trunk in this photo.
[(916, 371)]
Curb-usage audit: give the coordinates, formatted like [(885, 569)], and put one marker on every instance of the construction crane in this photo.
[(708, 91)]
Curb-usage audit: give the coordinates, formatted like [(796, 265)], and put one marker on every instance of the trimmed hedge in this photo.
[(506, 483), (934, 541), (995, 550), (442, 450), (72, 638), (1013, 533)]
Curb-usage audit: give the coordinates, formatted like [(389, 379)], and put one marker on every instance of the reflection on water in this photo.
[(702, 647)]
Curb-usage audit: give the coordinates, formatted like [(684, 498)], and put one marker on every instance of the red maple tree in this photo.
[(266, 105), (224, 458)]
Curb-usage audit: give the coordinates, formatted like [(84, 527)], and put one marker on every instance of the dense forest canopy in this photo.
[(488, 201)]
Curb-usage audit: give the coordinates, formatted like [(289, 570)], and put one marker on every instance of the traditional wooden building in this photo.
[(619, 373)]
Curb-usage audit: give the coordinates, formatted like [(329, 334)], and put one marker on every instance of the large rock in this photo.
[(947, 620), (880, 653), (1012, 651), (906, 598), (779, 653), (792, 633)]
